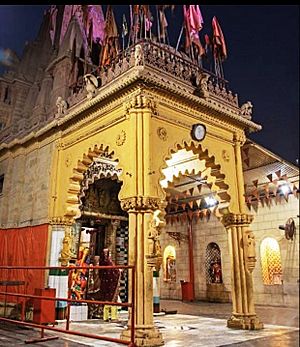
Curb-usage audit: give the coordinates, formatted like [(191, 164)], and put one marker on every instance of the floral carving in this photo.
[(225, 155), (68, 160), (162, 133), (121, 138)]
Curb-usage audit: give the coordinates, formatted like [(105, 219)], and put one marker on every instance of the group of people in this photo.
[(95, 284)]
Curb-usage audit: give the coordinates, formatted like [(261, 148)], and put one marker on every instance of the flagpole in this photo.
[(131, 25), (179, 38), (158, 25)]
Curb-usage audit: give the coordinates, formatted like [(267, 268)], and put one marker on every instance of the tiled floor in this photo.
[(205, 325), (184, 330)]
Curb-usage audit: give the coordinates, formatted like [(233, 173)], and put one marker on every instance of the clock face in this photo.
[(198, 132)]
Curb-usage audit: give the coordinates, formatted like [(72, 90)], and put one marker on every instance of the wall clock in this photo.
[(198, 132)]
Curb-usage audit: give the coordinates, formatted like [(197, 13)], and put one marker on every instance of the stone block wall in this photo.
[(25, 197), (204, 232), (266, 224)]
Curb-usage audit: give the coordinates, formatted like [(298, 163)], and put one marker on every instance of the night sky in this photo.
[(262, 64)]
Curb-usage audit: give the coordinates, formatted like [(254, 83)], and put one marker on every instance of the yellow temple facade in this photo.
[(122, 152)]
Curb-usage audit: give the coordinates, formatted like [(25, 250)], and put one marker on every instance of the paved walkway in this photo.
[(198, 324)]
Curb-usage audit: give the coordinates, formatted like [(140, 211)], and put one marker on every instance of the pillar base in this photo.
[(244, 322), (144, 336)]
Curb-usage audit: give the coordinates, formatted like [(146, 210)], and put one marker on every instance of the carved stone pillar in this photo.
[(144, 253), (65, 252), (242, 254)]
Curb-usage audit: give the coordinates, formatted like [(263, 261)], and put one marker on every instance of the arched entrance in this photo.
[(102, 224), (196, 188)]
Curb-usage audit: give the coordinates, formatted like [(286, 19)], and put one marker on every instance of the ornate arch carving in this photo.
[(97, 163), (215, 178)]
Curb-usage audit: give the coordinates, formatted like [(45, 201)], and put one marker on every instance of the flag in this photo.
[(95, 26), (194, 23), (111, 43), (124, 26), (135, 23), (163, 23), (187, 27), (53, 15), (147, 16), (219, 45)]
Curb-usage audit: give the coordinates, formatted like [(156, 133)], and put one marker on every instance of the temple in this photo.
[(141, 151)]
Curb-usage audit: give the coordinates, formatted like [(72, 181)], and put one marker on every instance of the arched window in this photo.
[(169, 264), (270, 261), (213, 264)]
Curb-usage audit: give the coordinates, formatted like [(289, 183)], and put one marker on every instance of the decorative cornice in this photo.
[(162, 74), (141, 203), (234, 219)]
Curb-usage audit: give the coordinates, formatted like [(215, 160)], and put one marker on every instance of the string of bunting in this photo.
[(264, 194), (190, 215)]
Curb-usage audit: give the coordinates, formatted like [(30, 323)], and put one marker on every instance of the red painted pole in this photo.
[(191, 257)]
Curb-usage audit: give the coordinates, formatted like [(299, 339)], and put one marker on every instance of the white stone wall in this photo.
[(25, 198), (265, 224)]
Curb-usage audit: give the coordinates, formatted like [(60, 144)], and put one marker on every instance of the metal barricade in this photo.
[(25, 297)]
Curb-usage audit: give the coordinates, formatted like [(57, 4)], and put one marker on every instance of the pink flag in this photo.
[(194, 23), (196, 20), (96, 23), (218, 40), (53, 14)]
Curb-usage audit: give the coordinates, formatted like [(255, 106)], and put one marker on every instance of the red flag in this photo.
[(219, 45), (187, 27), (147, 16), (111, 46), (163, 23)]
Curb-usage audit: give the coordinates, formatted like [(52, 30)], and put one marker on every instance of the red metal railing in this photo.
[(69, 300)]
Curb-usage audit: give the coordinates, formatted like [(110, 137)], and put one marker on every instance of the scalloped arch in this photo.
[(213, 174), (80, 180)]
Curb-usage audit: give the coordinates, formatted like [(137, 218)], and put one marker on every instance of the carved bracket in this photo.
[(249, 249), (141, 101), (237, 219)]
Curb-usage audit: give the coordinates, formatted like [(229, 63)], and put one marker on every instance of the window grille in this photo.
[(271, 261), (213, 264)]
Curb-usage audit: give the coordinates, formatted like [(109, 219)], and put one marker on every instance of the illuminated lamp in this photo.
[(284, 189), (210, 201)]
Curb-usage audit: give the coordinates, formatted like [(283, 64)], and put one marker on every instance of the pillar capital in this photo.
[(239, 138), (140, 101), (61, 221), (141, 204), (237, 219)]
